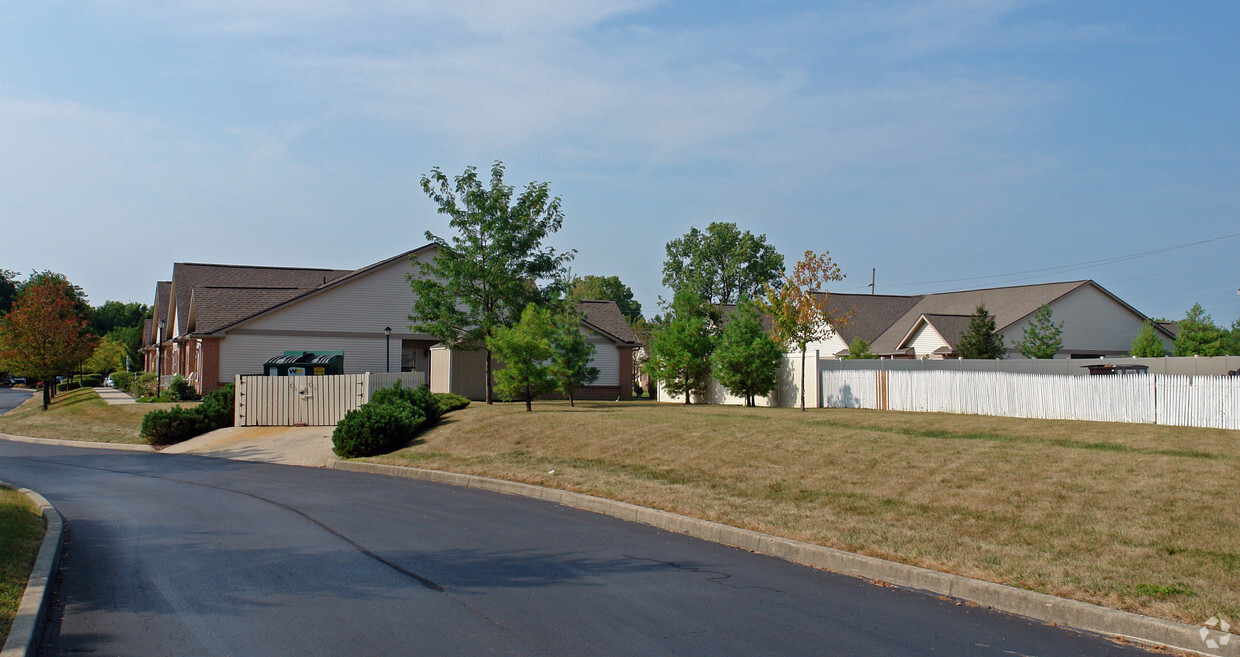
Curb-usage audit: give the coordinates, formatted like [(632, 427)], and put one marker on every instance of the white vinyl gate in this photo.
[(285, 401), (1190, 401)]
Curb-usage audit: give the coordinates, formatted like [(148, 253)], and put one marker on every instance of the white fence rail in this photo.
[(1192, 401), (285, 401)]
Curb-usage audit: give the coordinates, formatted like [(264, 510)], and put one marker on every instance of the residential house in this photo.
[(213, 322)]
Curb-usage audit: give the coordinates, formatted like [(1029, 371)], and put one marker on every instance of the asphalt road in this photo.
[(185, 555), (11, 398)]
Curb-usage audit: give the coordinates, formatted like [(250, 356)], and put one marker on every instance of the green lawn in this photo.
[(79, 415), (21, 533), (1136, 517)]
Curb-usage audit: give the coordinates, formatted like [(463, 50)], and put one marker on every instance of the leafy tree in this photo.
[(798, 308), (43, 335), (8, 290), (75, 294), (131, 337), (525, 350), (746, 359), (981, 340), (1148, 344), (681, 347), (1233, 339), (859, 349), (570, 354), (722, 264), (108, 357), (607, 288), (1043, 338), (488, 273), (1198, 335), (115, 314)]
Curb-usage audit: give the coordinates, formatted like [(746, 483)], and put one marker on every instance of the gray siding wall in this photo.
[(1092, 322), (245, 354)]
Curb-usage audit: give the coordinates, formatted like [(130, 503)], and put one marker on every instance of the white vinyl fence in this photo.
[(285, 401), (1192, 401)]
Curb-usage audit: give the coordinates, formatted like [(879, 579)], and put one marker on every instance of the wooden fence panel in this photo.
[(285, 401)]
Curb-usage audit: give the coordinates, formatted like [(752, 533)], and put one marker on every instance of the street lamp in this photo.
[(159, 359), (387, 342)]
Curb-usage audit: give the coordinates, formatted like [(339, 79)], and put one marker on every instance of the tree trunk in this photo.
[(488, 393), (47, 394), (570, 401), (802, 379)]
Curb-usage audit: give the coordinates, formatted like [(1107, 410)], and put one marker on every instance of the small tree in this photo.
[(570, 354), (524, 349), (108, 357), (746, 359), (1198, 335), (485, 276), (680, 349), (981, 340), (1043, 338), (1148, 344), (45, 333), (798, 308), (859, 349)]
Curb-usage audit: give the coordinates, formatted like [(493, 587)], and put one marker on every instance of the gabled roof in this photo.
[(163, 290), (949, 327), (212, 308), (869, 315), (188, 276), (605, 318)]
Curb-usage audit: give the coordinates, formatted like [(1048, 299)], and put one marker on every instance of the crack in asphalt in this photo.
[(357, 546), (718, 577)]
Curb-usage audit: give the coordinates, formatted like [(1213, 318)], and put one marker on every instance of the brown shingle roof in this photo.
[(217, 307), (159, 311), (949, 327), (188, 276), (606, 318), (872, 314)]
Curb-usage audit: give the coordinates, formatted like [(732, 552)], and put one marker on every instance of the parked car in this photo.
[(17, 381)]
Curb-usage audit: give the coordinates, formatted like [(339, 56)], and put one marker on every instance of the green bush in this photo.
[(142, 385), (217, 407), (182, 389), (419, 398), (91, 380), (67, 385), (172, 426), (121, 380), (375, 429), (448, 402)]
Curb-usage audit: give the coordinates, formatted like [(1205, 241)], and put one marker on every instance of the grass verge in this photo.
[(1135, 517), (21, 533), (79, 415)]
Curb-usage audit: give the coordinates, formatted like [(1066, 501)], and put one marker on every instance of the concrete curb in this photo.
[(129, 447), (1074, 614), (27, 628)]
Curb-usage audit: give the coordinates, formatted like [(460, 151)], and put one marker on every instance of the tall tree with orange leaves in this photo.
[(798, 307), (45, 334)]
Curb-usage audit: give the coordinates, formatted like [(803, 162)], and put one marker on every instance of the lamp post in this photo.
[(387, 342), (159, 359)]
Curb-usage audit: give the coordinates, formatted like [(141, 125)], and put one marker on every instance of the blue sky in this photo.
[(948, 144)]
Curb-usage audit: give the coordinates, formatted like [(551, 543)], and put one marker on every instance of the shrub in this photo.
[(419, 398), (448, 402), (172, 426), (217, 407), (142, 385), (375, 429), (637, 390), (121, 380), (182, 389), (67, 385), (92, 380)]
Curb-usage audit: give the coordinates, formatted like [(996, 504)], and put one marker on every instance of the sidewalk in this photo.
[(113, 396)]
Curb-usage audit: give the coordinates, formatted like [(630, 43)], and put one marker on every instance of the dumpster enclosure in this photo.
[(288, 401)]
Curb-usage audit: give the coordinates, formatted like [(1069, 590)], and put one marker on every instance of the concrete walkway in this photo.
[(113, 396), (288, 445)]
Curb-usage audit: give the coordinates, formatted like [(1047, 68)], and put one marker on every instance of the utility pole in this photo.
[(872, 271)]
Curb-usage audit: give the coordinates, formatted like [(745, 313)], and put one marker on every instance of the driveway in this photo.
[(288, 445), (173, 554)]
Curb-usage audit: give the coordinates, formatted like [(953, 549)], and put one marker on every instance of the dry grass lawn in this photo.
[(1136, 517), (21, 532), (79, 415)]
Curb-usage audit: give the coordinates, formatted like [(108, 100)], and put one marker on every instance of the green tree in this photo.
[(981, 340), (525, 350), (1043, 338), (746, 358), (607, 288), (570, 353), (721, 264), (483, 278), (108, 357), (131, 337), (44, 334), (1233, 339), (1148, 344), (798, 307), (859, 349), (74, 293), (681, 347), (115, 314), (8, 290), (1198, 335)]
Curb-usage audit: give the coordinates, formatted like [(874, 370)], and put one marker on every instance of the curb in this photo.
[(1123, 625), (128, 447), (27, 626)]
